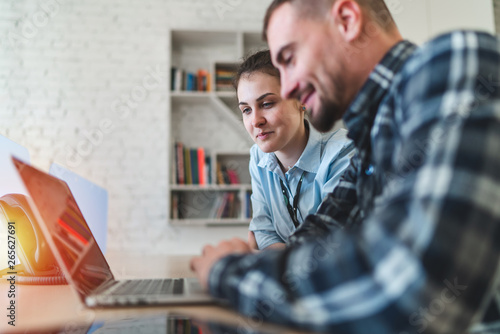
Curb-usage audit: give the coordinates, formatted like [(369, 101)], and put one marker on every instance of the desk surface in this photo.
[(45, 307)]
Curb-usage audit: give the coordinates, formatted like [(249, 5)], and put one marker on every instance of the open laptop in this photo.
[(80, 258)]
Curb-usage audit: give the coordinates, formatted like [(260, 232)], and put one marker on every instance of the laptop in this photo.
[(77, 253)]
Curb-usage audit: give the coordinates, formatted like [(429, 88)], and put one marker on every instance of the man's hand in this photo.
[(202, 265)]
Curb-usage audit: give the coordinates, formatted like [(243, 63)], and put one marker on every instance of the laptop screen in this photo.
[(65, 230), (9, 179), (92, 201)]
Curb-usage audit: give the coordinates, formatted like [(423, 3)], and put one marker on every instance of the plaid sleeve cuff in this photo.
[(217, 274)]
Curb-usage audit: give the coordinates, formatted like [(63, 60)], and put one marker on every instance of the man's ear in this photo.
[(348, 18)]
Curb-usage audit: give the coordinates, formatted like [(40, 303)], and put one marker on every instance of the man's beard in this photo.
[(328, 114)]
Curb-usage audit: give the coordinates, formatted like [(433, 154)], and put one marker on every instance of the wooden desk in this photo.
[(46, 307)]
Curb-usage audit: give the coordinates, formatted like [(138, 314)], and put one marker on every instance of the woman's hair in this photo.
[(257, 62)]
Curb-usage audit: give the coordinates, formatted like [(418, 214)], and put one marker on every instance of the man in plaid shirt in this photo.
[(406, 242)]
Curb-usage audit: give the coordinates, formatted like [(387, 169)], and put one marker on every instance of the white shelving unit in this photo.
[(211, 120)]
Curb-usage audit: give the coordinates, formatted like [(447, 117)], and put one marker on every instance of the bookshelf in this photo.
[(204, 118)]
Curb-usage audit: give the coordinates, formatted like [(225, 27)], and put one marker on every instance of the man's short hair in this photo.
[(316, 9)]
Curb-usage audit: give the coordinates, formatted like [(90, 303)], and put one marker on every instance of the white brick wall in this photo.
[(69, 68), (420, 20)]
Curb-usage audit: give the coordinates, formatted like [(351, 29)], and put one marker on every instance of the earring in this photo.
[(303, 107)]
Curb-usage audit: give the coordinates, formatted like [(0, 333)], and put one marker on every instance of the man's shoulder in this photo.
[(465, 38), (335, 142), (462, 40), (458, 41), (338, 135)]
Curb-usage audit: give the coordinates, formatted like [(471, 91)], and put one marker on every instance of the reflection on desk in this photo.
[(169, 324), (43, 308)]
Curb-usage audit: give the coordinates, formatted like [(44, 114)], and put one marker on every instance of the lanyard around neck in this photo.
[(292, 211)]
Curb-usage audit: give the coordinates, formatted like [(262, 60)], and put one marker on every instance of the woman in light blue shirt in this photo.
[(292, 165)]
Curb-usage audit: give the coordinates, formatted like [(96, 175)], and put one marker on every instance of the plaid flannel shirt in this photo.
[(407, 241)]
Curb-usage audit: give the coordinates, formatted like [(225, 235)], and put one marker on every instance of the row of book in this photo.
[(192, 165), (226, 175), (223, 205), (182, 80), (224, 74), (226, 205)]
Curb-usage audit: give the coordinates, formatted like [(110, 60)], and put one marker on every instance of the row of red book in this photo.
[(192, 165)]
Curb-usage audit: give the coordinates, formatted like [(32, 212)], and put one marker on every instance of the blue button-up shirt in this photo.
[(408, 240), (324, 159)]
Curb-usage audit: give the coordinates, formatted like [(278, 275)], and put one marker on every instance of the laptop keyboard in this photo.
[(166, 286)]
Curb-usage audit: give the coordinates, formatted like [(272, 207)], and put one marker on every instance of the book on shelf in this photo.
[(187, 165), (232, 176), (190, 82), (200, 152), (204, 84), (219, 175), (218, 206), (224, 208), (175, 206), (208, 169), (232, 208), (193, 152), (177, 79), (179, 159)]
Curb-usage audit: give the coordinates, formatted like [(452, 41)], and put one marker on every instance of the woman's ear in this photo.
[(300, 106), (348, 18)]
